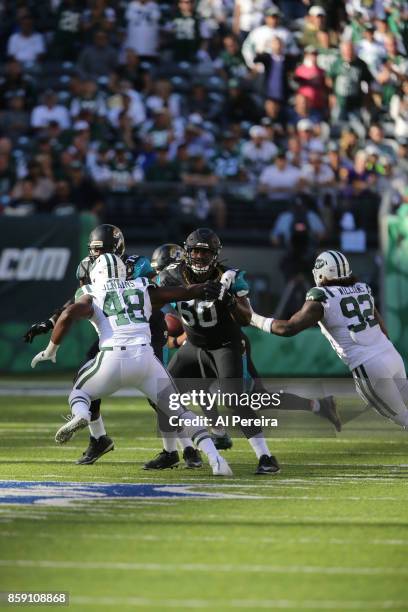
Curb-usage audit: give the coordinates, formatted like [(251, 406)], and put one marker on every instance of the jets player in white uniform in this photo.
[(345, 311), (119, 310)]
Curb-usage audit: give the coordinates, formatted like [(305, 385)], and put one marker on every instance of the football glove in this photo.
[(212, 290), (49, 354), (227, 298), (37, 329)]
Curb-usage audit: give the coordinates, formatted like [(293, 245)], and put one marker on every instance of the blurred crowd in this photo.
[(249, 114)]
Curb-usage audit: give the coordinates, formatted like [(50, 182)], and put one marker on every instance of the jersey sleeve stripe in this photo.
[(108, 263), (115, 265)]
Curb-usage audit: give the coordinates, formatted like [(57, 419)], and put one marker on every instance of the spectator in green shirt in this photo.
[(345, 79)]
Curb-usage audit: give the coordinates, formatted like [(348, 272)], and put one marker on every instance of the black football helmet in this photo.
[(202, 250), (165, 255), (106, 239)]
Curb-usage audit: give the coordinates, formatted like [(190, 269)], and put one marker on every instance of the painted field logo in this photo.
[(64, 493)]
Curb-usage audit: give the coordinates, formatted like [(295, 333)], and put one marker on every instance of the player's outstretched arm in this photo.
[(82, 309), (44, 327), (159, 296), (309, 315), (240, 310)]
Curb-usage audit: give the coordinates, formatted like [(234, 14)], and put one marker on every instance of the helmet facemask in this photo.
[(201, 260)]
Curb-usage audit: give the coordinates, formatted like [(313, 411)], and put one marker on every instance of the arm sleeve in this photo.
[(316, 294), (84, 290)]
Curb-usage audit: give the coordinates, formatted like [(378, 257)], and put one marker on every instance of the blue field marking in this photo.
[(54, 493)]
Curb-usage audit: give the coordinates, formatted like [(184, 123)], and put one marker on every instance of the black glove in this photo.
[(212, 290), (37, 329), (228, 299)]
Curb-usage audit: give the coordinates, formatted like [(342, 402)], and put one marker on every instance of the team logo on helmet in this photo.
[(331, 265)]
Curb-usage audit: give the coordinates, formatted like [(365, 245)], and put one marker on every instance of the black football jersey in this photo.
[(207, 324)]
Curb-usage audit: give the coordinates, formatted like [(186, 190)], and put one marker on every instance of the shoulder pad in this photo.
[(82, 272), (316, 294), (138, 266), (168, 276), (240, 285)]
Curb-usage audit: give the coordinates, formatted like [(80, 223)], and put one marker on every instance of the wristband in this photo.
[(51, 349), (261, 322)]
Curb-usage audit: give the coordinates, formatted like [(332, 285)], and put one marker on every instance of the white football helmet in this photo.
[(107, 267), (331, 265)]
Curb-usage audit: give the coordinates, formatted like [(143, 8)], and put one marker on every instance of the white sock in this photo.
[(81, 409), (185, 442), (97, 428), (259, 445), (208, 448), (169, 443)]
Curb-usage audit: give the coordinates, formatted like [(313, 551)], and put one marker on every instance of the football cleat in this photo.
[(66, 432), (163, 461), (95, 450), (268, 465), (328, 411), (222, 442), (192, 457), (220, 467)]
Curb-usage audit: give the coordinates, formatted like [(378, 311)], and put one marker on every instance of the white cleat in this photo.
[(220, 467), (66, 432)]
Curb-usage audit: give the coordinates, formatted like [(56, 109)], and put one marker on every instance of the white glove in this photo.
[(228, 278), (49, 354), (226, 281)]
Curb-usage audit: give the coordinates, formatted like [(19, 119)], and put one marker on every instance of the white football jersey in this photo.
[(349, 322), (122, 310)]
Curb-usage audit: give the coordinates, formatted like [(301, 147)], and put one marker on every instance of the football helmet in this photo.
[(166, 254), (106, 239), (107, 267), (202, 249), (330, 265)]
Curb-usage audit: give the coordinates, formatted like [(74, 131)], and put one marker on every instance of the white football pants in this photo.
[(132, 366), (382, 383)]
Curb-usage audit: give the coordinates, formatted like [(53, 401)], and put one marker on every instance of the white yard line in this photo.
[(254, 604), (205, 567), (221, 539)]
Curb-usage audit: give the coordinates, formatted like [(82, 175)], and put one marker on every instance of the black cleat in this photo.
[(163, 461), (96, 448), (268, 465), (192, 457), (222, 442), (328, 411)]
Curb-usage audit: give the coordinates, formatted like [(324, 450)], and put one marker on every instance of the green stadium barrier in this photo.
[(38, 260), (396, 279), (308, 354)]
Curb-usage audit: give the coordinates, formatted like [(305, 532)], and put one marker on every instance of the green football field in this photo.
[(330, 532)]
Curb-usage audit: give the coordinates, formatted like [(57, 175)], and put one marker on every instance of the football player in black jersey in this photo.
[(213, 347), (105, 239)]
